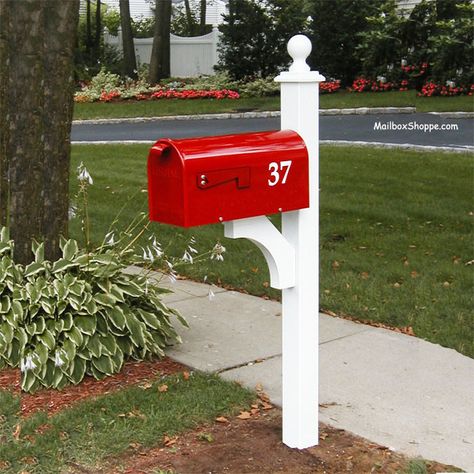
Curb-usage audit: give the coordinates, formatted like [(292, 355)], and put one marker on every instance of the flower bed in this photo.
[(329, 87), (155, 94), (361, 84), (450, 89), (429, 89)]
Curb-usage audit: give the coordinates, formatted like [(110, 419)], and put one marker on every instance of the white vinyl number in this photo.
[(275, 168)]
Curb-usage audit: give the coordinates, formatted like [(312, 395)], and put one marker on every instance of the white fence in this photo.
[(189, 57)]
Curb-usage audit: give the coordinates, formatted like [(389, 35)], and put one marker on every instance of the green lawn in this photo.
[(328, 101), (396, 233), (85, 435)]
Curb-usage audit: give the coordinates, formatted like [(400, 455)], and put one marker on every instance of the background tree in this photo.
[(129, 59), (336, 24), (160, 53), (255, 33), (37, 39), (189, 18), (381, 44), (202, 22)]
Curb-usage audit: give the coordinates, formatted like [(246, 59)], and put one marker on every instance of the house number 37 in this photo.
[(277, 170)]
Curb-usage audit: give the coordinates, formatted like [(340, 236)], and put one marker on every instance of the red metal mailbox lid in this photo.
[(227, 177)]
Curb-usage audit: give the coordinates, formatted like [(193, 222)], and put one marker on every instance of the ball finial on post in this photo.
[(299, 48)]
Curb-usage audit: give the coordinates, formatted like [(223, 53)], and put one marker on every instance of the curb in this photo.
[(461, 115), (402, 146), (276, 113), (243, 115)]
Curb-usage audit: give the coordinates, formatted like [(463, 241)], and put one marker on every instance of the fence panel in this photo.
[(189, 57)]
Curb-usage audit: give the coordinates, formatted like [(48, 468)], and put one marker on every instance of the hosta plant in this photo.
[(78, 315)]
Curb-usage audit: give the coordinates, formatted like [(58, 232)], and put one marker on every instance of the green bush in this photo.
[(254, 36), (80, 315), (263, 87)]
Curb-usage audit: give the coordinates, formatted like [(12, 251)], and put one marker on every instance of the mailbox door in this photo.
[(166, 194)]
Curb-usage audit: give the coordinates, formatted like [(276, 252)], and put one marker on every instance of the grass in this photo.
[(339, 100), (395, 235), (93, 430)]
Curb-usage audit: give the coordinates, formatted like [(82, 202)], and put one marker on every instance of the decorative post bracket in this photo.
[(278, 252)]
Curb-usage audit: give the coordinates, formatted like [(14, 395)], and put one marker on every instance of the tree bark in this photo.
[(88, 27), (98, 30), (36, 115), (189, 18), (202, 23), (4, 68), (129, 59), (160, 53)]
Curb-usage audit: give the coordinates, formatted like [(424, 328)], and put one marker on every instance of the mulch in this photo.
[(53, 401)]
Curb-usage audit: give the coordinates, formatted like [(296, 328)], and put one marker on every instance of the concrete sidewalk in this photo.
[(402, 392)]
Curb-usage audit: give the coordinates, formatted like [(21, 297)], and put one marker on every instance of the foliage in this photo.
[(143, 27), (453, 46), (435, 42), (78, 315), (221, 80), (381, 43), (260, 87), (182, 25), (82, 314), (111, 20), (254, 36), (334, 30)]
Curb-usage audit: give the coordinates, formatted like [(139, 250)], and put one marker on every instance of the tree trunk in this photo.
[(98, 30), (160, 53), (4, 67), (88, 27), (189, 18), (129, 59), (202, 23), (36, 120)]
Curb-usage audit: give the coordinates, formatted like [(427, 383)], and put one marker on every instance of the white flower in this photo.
[(211, 295), (58, 361), (187, 257), (217, 252), (72, 211), (450, 83), (83, 175), (403, 62), (192, 249), (110, 238), (383, 15), (147, 255), (173, 277), (382, 79), (27, 363)]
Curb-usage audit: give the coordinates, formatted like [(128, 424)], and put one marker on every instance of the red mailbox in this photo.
[(214, 179)]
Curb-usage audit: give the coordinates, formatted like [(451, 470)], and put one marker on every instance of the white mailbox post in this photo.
[(293, 256)]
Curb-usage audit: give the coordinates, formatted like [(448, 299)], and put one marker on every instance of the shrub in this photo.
[(80, 315), (334, 29), (254, 36), (261, 87)]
